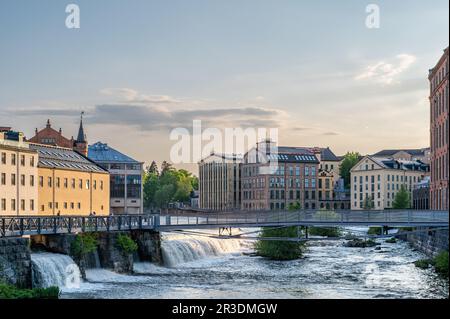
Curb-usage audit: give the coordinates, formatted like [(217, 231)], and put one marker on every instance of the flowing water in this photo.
[(201, 267)]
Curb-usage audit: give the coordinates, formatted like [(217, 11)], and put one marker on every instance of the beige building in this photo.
[(329, 162), (69, 183), (380, 179), (219, 182), (18, 175)]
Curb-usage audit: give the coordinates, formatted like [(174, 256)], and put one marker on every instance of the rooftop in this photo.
[(102, 153), (412, 152), (64, 158)]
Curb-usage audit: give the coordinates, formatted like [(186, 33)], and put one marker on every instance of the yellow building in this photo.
[(69, 183), (379, 180), (18, 175)]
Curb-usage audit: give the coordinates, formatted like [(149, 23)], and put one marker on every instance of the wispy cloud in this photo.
[(133, 96), (387, 72)]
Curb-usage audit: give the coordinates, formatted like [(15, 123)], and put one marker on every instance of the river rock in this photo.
[(360, 243)]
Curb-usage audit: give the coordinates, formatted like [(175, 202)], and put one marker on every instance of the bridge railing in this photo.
[(36, 225), (385, 217)]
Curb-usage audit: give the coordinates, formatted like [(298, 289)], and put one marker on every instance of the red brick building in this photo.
[(50, 136), (439, 131)]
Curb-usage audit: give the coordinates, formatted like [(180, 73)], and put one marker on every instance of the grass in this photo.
[(12, 292), (439, 262)]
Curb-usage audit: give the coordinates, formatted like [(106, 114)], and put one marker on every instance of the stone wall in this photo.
[(15, 261), (149, 245), (429, 242)]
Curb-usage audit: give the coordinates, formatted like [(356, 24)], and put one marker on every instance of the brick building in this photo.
[(439, 131)]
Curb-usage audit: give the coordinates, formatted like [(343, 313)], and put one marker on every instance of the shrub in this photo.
[(441, 263), (83, 244), (324, 231), (11, 292), (374, 231), (126, 244), (422, 263), (392, 240), (279, 250)]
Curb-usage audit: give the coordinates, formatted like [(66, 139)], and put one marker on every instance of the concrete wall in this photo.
[(15, 261)]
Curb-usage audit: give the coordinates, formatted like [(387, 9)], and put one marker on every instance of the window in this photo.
[(13, 159), (22, 203), (31, 204), (3, 158), (88, 184), (57, 182), (49, 181), (3, 203), (32, 180), (80, 183), (79, 205), (13, 179), (306, 170), (22, 180), (3, 180), (65, 183), (32, 161), (72, 206), (41, 181), (22, 160), (95, 184), (13, 204), (73, 182)]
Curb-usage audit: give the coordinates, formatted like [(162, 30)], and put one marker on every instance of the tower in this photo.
[(80, 144)]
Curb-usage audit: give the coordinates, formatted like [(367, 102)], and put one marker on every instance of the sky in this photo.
[(140, 68)]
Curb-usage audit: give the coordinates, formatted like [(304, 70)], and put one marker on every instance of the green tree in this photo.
[(164, 195), (294, 206), (151, 185), (402, 199), (166, 167), (279, 249), (152, 169), (368, 203), (350, 160)]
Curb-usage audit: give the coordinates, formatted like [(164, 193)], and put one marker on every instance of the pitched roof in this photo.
[(64, 158), (328, 155), (412, 152), (389, 163), (102, 153)]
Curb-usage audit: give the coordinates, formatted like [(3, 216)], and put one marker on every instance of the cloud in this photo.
[(387, 72), (330, 133), (133, 96)]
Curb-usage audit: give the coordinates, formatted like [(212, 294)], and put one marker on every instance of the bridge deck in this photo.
[(13, 226)]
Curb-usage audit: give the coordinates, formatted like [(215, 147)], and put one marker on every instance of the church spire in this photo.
[(81, 136)]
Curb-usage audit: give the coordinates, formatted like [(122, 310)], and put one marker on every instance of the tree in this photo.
[(151, 185), (294, 206), (402, 199), (153, 168), (350, 160), (368, 203), (278, 249), (166, 167)]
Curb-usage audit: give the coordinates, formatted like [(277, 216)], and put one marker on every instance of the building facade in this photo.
[(378, 181), (421, 194), (69, 183), (219, 182), (18, 175), (126, 178), (439, 132), (293, 181)]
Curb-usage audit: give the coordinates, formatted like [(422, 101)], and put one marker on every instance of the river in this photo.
[(201, 267)]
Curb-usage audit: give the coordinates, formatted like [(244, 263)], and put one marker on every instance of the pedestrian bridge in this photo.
[(181, 219)]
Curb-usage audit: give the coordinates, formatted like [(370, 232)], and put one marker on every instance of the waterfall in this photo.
[(177, 249), (49, 269)]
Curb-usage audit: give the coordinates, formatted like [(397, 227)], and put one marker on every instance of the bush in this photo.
[(423, 263), (324, 231), (83, 245), (441, 263), (392, 240), (374, 231), (11, 292), (126, 244), (279, 250)]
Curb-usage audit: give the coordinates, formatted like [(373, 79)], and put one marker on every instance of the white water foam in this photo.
[(179, 249), (49, 269)]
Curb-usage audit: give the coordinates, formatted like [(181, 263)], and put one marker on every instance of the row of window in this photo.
[(13, 180), (13, 159), (13, 204), (390, 177), (281, 171), (73, 183)]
